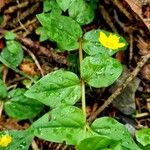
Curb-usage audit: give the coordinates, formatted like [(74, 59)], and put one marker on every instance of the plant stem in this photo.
[(1, 107), (82, 81)]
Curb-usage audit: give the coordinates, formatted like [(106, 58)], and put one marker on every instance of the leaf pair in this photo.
[(63, 87), (67, 124), (66, 33)]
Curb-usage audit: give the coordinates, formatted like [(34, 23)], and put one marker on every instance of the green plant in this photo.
[(61, 89), (12, 54), (143, 137), (12, 50)]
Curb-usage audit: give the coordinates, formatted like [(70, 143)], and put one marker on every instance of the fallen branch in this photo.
[(35, 60), (40, 49)]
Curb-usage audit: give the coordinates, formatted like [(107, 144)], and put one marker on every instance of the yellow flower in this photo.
[(5, 140), (111, 41)]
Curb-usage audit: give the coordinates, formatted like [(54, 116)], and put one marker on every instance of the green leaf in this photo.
[(21, 107), (14, 47), (20, 140), (51, 5), (42, 32), (114, 130), (92, 45), (98, 143), (57, 88), (65, 4), (46, 6), (100, 71), (61, 29), (143, 136), (14, 51), (3, 90), (9, 36), (62, 124), (82, 12), (145, 147)]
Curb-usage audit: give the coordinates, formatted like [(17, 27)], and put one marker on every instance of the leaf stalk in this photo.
[(82, 81)]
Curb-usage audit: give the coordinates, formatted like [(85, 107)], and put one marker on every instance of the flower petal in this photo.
[(114, 38), (120, 45), (103, 38)]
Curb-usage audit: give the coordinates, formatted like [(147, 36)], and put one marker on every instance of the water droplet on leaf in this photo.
[(22, 145)]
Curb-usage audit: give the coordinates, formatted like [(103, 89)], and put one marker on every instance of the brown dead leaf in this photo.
[(137, 5), (10, 124), (1, 44), (146, 72), (29, 68), (2, 3)]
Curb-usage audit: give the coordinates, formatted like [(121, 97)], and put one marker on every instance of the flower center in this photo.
[(110, 43)]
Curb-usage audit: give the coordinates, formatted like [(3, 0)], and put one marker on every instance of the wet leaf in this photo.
[(65, 4), (92, 45), (21, 107), (100, 71), (57, 88), (114, 130), (52, 6), (62, 124), (9, 36), (81, 11), (99, 143), (14, 51), (65, 32), (143, 136)]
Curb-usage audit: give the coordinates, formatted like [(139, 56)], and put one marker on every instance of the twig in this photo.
[(15, 80), (14, 8), (131, 48), (34, 58), (141, 115), (5, 72), (28, 23), (23, 27), (1, 108), (107, 17), (41, 49), (122, 8), (34, 145), (133, 74), (24, 14)]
